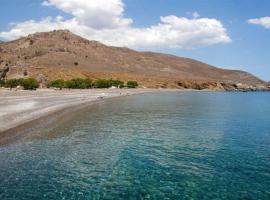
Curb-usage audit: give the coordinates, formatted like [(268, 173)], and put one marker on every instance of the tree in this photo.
[(2, 83), (12, 83), (102, 83), (70, 84), (79, 83), (29, 84), (117, 83), (132, 84), (60, 83)]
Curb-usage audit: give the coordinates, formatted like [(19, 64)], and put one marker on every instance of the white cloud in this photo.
[(96, 14), (104, 21), (264, 21), (193, 14)]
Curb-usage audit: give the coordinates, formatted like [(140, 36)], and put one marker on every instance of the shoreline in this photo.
[(23, 112)]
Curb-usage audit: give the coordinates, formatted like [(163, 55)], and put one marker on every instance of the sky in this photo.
[(232, 34)]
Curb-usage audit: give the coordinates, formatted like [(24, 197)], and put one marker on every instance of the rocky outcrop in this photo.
[(216, 86), (246, 88), (200, 85), (3, 72), (42, 80)]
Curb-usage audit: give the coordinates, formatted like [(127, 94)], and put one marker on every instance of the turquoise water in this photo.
[(153, 146)]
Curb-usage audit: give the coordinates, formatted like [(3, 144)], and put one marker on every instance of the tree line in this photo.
[(76, 83), (86, 83), (26, 83)]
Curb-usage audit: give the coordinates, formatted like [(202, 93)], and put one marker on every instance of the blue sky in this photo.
[(243, 45)]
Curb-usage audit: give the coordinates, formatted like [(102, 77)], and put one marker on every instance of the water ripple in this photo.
[(155, 146)]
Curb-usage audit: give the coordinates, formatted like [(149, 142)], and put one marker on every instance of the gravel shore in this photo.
[(21, 107)]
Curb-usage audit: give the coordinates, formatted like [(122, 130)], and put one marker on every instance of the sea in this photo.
[(166, 145)]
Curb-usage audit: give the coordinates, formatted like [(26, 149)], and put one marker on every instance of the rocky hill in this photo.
[(62, 54)]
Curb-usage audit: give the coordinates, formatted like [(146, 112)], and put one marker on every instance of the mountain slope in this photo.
[(62, 54)]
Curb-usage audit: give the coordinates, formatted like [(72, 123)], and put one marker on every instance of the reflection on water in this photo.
[(153, 146)]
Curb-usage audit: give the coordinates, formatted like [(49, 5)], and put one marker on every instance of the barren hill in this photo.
[(62, 54)]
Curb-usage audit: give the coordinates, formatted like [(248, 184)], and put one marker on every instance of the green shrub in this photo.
[(117, 83), (2, 83), (79, 83), (29, 84), (56, 84), (13, 83), (102, 83), (132, 84), (70, 84)]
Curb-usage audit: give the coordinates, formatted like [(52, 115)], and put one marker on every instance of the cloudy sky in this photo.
[(225, 33)]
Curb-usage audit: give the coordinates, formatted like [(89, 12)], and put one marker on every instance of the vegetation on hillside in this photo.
[(27, 84), (132, 84), (59, 83), (80, 83), (103, 83), (2, 83), (76, 83)]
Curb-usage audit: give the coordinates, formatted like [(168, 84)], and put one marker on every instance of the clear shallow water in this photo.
[(154, 146)]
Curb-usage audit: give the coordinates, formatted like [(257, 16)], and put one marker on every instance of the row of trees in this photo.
[(27, 83), (78, 83)]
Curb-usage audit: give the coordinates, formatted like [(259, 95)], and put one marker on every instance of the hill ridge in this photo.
[(68, 55)]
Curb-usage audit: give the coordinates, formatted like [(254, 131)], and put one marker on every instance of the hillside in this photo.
[(62, 54)]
